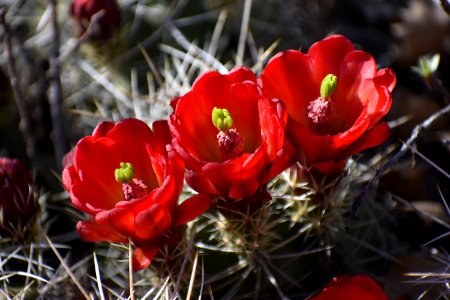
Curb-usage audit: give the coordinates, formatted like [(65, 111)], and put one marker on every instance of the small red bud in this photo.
[(18, 205), (108, 22)]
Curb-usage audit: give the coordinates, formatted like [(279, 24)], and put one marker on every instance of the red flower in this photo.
[(18, 205), (352, 288), (329, 120), (108, 22), (123, 176), (242, 148)]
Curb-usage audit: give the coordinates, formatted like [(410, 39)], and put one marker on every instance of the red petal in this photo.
[(175, 167), (201, 183), (67, 159), (288, 77), (311, 148), (243, 188), (153, 223), (352, 288), (351, 94), (69, 175), (143, 256), (159, 163), (241, 74), (369, 286), (174, 102), (386, 77), (330, 167), (243, 107), (82, 198), (90, 230), (121, 219), (370, 138), (95, 162), (272, 130), (284, 159), (380, 104), (162, 134), (246, 168), (191, 209), (131, 137), (146, 224), (102, 129), (191, 123), (327, 56), (190, 161)]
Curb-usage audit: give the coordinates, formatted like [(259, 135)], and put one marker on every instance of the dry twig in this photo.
[(55, 91), (25, 126), (415, 135)]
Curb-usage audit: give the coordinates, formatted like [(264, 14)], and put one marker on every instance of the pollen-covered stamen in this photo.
[(132, 188), (320, 110), (231, 144)]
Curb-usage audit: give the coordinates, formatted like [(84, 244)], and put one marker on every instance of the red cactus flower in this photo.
[(229, 134), (352, 288), (335, 97), (108, 22), (18, 205), (124, 177)]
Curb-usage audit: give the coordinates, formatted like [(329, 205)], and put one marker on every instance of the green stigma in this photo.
[(222, 119), (328, 86), (125, 173)]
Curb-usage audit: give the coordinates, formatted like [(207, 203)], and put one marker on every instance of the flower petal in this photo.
[(94, 157), (352, 288), (386, 77), (201, 183), (143, 256), (131, 137), (330, 167), (90, 230), (243, 188), (102, 129), (370, 138), (283, 78), (355, 69), (191, 208), (328, 54)]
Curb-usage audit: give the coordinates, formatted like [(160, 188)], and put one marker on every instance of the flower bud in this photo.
[(18, 205), (109, 20), (427, 67)]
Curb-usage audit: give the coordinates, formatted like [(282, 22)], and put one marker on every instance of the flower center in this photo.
[(320, 110), (230, 142), (221, 118), (132, 188)]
